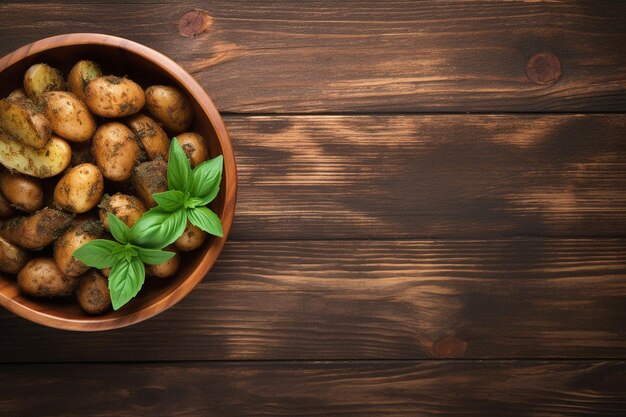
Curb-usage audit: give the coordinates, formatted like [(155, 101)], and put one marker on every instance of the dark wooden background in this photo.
[(423, 227)]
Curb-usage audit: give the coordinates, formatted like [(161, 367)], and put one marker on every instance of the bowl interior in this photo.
[(156, 294)]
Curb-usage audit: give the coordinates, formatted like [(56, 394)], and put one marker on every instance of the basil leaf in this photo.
[(125, 281), (154, 256), (170, 200), (205, 180), (118, 228), (178, 168), (206, 220), (97, 253), (158, 228)]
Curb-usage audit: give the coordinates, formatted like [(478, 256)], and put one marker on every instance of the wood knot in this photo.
[(543, 68), (450, 347), (194, 23)]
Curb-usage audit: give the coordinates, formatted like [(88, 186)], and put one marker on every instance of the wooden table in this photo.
[(431, 217)]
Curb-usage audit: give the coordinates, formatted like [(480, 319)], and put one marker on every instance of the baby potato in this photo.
[(167, 268), (69, 117), (40, 277), (12, 258), (6, 210), (80, 75), (23, 192), (192, 238), (41, 78), (17, 95), (195, 147), (170, 107), (36, 231), (153, 138), (20, 121), (48, 161), (150, 178), (93, 293), (82, 232), (116, 150), (110, 96), (127, 208), (80, 189)]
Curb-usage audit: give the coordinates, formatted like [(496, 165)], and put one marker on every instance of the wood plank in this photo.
[(509, 388), (348, 177), (289, 300), (367, 56)]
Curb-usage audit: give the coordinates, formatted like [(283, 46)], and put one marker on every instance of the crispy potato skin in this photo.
[(12, 258), (150, 178), (152, 136), (93, 293), (115, 150), (127, 208), (170, 107), (195, 147), (41, 78), (69, 117), (23, 192), (46, 162), (80, 189), (192, 238), (6, 210), (36, 231), (20, 121), (110, 96), (167, 268), (40, 277), (80, 75), (84, 231)]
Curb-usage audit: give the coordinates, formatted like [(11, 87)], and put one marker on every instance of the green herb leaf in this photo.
[(125, 280), (206, 220), (178, 168), (170, 200), (154, 256), (157, 228), (118, 228), (97, 253), (205, 180)]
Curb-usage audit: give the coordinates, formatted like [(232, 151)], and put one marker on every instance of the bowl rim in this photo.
[(194, 89)]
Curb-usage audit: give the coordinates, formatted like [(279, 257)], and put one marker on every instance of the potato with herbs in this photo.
[(23, 192), (46, 162), (41, 78), (36, 231), (111, 96), (127, 208), (152, 136), (41, 277), (20, 121), (93, 293), (115, 150), (150, 178), (80, 189), (12, 258), (170, 107), (195, 147), (81, 74), (167, 268), (69, 117), (82, 232), (192, 238)]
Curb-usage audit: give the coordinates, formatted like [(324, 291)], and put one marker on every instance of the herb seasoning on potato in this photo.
[(111, 96), (41, 277)]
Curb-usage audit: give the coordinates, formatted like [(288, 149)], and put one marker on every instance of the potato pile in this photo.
[(72, 151)]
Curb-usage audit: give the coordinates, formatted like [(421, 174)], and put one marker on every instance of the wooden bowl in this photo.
[(146, 67)]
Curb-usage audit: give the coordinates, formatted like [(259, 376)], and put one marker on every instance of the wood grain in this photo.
[(289, 300), (348, 177), (468, 388), (366, 56)]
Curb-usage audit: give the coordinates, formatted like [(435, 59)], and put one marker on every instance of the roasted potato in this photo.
[(80, 75), (93, 293), (36, 231), (41, 78), (76, 236), (23, 192), (21, 122), (80, 189), (195, 147), (127, 208), (48, 161), (110, 96), (12, 258), (41, 277), (6, 210), (115, 150), (69, 117), (152, 137), (17, 95), (170, 107), (167, 268), (192, 238), (150, 178)]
